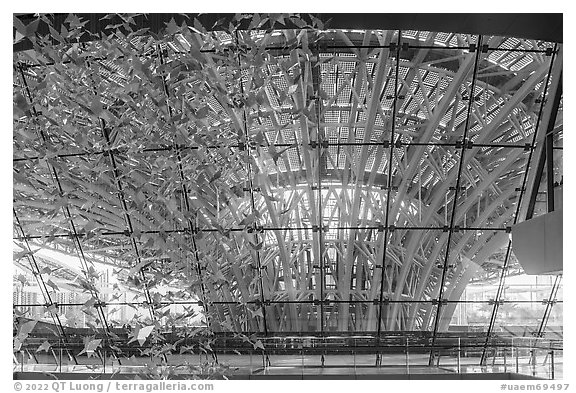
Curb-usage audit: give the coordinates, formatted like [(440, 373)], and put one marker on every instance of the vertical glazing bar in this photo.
[(455, 200), (407, 357), (389, 185), (59, 354), (549, 144), (505, 265), (302, 359), (354, 356), (252, 200), (185, 197), (458, 355)]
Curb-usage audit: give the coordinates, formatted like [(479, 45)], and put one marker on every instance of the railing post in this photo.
[(407, 360), (552, 364), (517, 365), (302, 357), (354, 356), (60, 354), (459, 348)]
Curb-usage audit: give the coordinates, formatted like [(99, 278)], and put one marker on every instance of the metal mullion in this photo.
[(389, 184), (549, 304), (251, 186), (42, 284), (110, 152), (66, 211), (338, 144), (319, 141), (21, 159), (185, 194), (80, 250), (546, 150), (455, 201), (548, 146), (287, 49), (528, 214), (196, 302), (127, 216), (98, 152), (242, 229), (339, 112)]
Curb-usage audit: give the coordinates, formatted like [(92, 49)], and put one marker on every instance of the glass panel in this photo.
[(37, 201), (522, 312), (290, 317), (255, 180)]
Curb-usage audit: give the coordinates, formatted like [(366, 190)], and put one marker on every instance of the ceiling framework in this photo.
[(285, 180)]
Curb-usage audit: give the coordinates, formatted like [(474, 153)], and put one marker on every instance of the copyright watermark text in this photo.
[(534, 386), (73, 386)]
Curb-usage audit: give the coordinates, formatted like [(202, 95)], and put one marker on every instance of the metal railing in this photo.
[(531, 357)]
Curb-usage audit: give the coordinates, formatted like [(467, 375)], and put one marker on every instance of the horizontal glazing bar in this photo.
[(270, 302), (325, 144), (261, 229)]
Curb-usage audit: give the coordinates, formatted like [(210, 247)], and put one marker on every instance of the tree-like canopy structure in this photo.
[(284, 179)]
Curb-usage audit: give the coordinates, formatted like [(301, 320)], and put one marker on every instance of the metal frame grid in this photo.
[(313, 146)]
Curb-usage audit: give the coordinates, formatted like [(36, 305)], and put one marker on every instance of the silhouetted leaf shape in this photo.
[(20, 27), (22, 279), (96, 106), (21, 254), (90, 303), (215, 176), (202, 113), (271, 197), (21, 103), (248, 220), (219, 276), (25, 329), (172, 27), (46, 270), (143, 334), (259, 138), (45, 346), (53, 285), (256, 246), (32, 27), (257, 313), (90, 346), (258, 345), (136, 269)]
